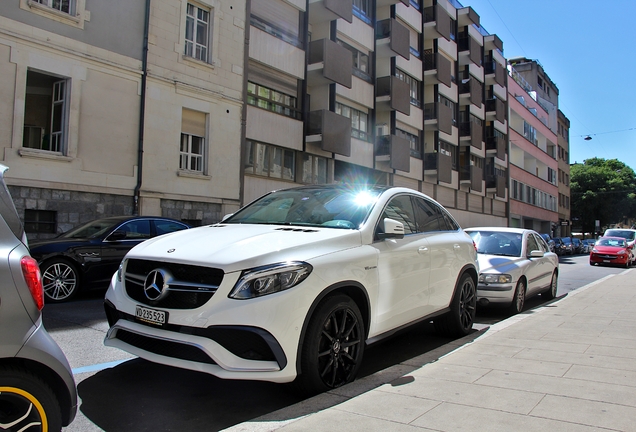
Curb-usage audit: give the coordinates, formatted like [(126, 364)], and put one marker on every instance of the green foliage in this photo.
[(602, 190)]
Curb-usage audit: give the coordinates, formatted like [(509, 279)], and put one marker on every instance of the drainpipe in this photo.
[(142, 111), (246, 60)]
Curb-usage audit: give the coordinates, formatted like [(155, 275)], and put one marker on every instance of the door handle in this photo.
[(422, 250)]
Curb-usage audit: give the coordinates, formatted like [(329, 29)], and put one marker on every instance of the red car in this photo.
[(611, 250)]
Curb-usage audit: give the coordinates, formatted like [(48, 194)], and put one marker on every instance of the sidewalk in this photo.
[(567, 366)]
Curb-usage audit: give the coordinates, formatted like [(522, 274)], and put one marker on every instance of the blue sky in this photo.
[(588, 49)]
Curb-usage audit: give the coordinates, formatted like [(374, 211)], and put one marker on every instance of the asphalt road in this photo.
[(121, 393)]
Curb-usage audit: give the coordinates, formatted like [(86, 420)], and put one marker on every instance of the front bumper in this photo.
[(609, 259), (495, 293)]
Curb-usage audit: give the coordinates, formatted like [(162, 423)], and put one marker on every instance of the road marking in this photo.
[(98, 367)]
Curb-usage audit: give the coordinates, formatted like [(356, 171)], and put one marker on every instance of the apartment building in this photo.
[(533, 149), (189, 109), (563, 142), (406, 93), (121, 107)]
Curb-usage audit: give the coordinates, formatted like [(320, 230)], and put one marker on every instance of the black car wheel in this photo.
[(60, 280), (519, 298), (459, 321), (333, 347), (27, 402)]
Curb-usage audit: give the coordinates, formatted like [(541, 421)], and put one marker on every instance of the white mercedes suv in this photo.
[(295, 284)]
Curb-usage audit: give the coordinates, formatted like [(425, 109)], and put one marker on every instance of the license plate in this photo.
[(151, 316), (606, 260)]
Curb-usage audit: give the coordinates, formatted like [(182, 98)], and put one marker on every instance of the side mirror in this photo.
[(226, 216), (392, 229), (537, 254)]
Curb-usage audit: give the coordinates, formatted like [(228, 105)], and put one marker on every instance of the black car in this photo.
[(562, 246), (89, 255), (577, 245)]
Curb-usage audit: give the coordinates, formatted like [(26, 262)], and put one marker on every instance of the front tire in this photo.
[(60, 280), (333, 346), (27, 400), (519, 298), (459, 321), (552, 291)]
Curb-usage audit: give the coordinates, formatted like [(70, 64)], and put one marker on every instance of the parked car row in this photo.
[(572, 245)]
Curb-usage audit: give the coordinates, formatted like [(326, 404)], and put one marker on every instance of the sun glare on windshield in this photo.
[(364, 199)]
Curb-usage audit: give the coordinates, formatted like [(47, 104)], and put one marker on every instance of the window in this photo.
[(530, 132), (359, 121), (192, 148), (413, 140), (360, 62), (279, 19), (272, 100), (270, 161), (531, 244), (362, 9), (314, 169), (66, 6), (136, 230), (197, 33), (414, 86), (449, 150), (40, 221), (552, 176), (191, 153), (401, 209), (45, 112)]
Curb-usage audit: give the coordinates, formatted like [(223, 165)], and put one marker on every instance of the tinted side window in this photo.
[(401, 210), (542, 244), (138, 229), (164, 226), (428, 216)]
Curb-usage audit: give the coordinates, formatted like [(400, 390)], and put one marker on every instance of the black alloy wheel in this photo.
[(459, 321), (333, 346)]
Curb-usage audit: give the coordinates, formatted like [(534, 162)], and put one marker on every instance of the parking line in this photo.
[(99, 366)]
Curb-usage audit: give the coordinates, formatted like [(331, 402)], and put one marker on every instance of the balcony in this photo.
[(497, 145), (329, 63), (474, 89), (394, 94), (443, 114), (497, 71), (496, 109), (380, 3), (436, 62), (439, 164), (392, 38), (474, 131), (473, 175), (497, 185), (332, 130), (395, 150), (468, 43), (437, 23), (328, 10)]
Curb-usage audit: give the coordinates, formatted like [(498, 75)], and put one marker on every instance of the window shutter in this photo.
[(193, 122), (278, 13)]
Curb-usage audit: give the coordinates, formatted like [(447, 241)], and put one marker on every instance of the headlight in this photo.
[(495, 278), (621, 252), (270, 279), (120, 271), (594, 250)]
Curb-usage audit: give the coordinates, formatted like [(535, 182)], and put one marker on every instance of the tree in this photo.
[(602, 190)]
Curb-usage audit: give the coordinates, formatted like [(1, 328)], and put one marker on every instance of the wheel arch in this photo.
[(354, 290), (52, 379)]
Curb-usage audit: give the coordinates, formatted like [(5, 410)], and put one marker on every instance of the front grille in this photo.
[(190, 288), (164, 348), (605, 256)]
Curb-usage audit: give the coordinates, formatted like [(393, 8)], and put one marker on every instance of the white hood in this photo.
[(497, 263), (235, 247)]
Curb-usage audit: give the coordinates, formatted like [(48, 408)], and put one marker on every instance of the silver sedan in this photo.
[(514, 264)]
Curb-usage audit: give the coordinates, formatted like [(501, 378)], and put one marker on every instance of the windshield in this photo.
[(345, 208), (566, 240), (611, 242), (629, 235), (92, 229), (497, 243)]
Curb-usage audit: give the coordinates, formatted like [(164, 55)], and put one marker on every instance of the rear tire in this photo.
[(26, 399), (552, 291), (459, 321), (333, 347)]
